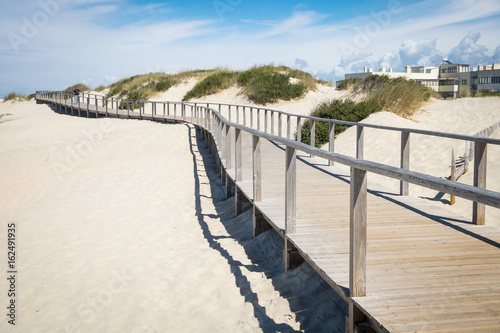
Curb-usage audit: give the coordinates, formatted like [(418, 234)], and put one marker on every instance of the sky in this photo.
[(53, 44)]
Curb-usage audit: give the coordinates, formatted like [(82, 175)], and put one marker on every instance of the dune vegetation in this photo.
[(80, 86), (15, 97), (398, 96), (260, 84), (346, 110)]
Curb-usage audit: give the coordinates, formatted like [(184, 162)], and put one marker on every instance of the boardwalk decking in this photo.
[(427, 269)]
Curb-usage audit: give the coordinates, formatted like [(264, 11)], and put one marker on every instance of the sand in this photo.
[(122, 226)]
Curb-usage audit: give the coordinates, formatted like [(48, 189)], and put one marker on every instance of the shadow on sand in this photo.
[(316, 306)]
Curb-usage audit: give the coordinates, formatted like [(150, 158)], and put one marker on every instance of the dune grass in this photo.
[(487, 94), (80, 86), (260, 84), (346, 110), (398, 95), (15, 97), (142, 87), (212, 84)]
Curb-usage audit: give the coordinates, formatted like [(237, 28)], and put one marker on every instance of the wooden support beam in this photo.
[(291, 257), (260, 224), (480, 162), (238, 200), (404, 187), (358, 226)]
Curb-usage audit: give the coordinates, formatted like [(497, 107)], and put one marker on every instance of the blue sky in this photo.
[(52, 44)]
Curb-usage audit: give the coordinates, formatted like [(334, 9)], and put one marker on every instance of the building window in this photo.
[(464, 69), (450, 82), (495, 79), (484, 80), (452, 69)]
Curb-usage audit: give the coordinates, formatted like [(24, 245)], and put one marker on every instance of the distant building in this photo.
[(450, 80), (485, 78), (425, 75), (454, 79)]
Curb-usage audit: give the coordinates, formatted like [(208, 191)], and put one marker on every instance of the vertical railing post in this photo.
[(358, 226), (272, 122), (480, 162), (288, 126), (359, 142), (290, 190), (265, 121), (404, 187), (257, 174), (290, 257), (331, 140), (228, 161), (244, 116), (280, 124), (238, 176), (453, 176), (313, 133), (258, 119), (299, 129), (251, 117), (238, 168)]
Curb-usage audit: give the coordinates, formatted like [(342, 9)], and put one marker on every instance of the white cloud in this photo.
[(412, 52), (469, 51)]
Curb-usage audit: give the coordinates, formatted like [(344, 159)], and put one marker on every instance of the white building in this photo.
[(450, 80), (428, 76)]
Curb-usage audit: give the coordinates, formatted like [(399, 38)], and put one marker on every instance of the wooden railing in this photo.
[(218, 129)]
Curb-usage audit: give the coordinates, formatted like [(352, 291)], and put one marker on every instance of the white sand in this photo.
[(120, 230)]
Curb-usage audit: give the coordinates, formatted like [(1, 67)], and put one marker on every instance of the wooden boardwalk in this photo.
[(427, 269)]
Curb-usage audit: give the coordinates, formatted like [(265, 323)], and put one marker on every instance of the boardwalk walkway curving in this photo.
[(427, 269)]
